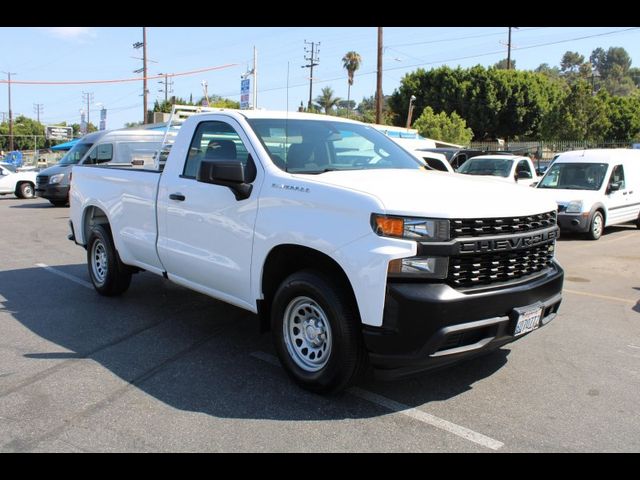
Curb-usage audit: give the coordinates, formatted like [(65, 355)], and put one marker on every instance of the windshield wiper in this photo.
[(317, 172)]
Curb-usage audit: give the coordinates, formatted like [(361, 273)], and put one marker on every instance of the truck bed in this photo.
[(128, 197)]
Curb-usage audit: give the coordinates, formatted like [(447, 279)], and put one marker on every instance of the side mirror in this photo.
[(614, 187), (226, 173)]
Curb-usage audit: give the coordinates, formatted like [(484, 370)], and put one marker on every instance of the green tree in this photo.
[(326, 100), (351, 62), (502, 64), (579, 116), (447, 128), (624, 116), (571, 62), (493, 102), (24, 131)]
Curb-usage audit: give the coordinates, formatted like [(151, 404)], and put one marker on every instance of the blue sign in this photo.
[(245, 89)]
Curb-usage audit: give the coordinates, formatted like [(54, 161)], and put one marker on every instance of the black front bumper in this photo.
[(574, 222), (427, 326), (53, 192)]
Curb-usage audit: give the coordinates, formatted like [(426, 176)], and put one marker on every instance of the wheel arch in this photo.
[(92, 215), (282, 261)]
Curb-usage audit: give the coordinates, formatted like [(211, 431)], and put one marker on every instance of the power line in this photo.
[(453, 39), (121, 80)]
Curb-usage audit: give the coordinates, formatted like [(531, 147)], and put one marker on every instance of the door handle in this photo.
[(177, 196), (624, 193)]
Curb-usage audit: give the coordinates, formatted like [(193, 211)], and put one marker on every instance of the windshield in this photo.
[(498, 167), (318, 146), (8, 166), (74, 155), (574, 176)]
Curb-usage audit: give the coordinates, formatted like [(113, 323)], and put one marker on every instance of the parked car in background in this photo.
[(118, 148), (420, 149), (595, 189), (456, 156), (509, 168), (21, 184)]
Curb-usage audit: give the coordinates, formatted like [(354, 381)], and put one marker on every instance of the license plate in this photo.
[(528, 320)]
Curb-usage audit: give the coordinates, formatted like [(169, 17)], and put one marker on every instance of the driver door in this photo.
[(616, 201)]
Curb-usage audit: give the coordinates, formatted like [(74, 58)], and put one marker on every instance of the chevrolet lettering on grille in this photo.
[(508, 244)]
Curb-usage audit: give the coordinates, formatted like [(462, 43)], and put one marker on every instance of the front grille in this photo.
[(42, 179), (482, 227), (487, 268)]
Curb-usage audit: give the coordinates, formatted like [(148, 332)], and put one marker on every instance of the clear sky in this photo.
[(97, 53)]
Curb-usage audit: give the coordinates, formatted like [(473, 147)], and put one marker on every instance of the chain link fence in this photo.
[(544, 151)]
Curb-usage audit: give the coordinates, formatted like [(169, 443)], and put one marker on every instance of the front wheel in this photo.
[(110, 277), (597, 227), (316, 333), (25, 190)]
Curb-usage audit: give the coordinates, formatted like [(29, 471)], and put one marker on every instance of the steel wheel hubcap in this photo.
[(99, 261), (307, 334), (597, 225)]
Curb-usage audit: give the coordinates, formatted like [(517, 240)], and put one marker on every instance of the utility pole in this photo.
[(37, 109), (167, 86), (379, 79), (509, 51), (143, 70), (313, 59), (144, 66), (89, 99), (205, 89), (10, 111)]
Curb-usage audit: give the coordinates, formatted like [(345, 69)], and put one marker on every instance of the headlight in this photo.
[(419, 267), (420, 229), (56, 178), (574, 207)]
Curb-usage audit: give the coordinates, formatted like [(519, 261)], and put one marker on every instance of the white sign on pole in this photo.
[(245, 89), (56, 132)]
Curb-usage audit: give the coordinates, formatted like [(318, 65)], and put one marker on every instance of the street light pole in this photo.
[(410, 113), (379, 80), (10, 111)]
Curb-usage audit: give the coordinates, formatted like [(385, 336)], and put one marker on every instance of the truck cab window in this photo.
[(216, 141)]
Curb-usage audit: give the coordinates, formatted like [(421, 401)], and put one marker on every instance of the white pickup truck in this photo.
[(347, 248)]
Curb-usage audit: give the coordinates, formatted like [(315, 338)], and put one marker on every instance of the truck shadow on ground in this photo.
[(192, 352)]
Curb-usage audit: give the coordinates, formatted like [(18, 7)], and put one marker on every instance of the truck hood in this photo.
[(425, 193)]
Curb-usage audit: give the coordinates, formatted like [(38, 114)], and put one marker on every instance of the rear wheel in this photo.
[(316, 333), (597, 226), (25, 190), (110, 277)]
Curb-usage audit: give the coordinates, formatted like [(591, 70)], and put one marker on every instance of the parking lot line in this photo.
[(604, 297), (73, 278), (408, 411)]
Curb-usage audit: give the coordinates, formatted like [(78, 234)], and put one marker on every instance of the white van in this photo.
[(133, 148), (595, 189), (417, 147)]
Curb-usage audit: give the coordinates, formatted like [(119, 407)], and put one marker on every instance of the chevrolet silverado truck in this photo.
[(350, 251)]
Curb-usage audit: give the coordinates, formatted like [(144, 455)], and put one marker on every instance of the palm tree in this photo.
[(326, 100), (351, 61)]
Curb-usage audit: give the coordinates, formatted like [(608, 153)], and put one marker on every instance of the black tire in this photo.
[(346, 358), (25, 190), (110, 277), (597, 226), (638, 221)]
